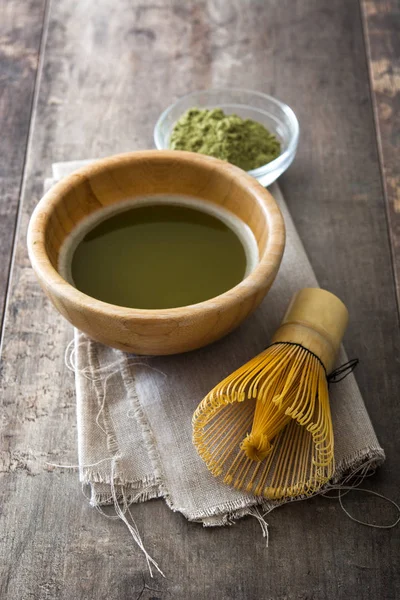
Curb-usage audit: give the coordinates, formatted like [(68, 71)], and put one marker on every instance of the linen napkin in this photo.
[(134, 413)]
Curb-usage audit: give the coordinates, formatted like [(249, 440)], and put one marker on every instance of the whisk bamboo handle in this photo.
[(317, 320)]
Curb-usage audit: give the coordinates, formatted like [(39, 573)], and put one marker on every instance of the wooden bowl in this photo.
[(136, 174)]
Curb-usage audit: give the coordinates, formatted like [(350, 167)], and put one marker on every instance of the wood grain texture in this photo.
[(132, 176), (20, 34), (109, 69), (382, 33)]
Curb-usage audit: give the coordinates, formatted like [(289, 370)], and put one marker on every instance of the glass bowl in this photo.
[(276, 116)]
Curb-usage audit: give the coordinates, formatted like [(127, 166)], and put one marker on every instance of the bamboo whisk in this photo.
[(267, 427)]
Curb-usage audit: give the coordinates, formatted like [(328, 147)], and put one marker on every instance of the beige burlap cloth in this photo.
[(134, 414)]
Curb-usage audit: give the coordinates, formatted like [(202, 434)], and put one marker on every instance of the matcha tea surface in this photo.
[(158, 256)]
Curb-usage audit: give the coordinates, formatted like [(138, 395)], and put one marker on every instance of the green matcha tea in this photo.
[(160, 255)]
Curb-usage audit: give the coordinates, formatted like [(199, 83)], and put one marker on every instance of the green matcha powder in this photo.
[(242, 142)]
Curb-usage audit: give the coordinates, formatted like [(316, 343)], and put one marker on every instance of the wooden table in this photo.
[(88, 79)]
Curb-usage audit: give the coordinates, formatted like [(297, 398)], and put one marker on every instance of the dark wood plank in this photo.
[(109, 69), (382, 27), (21, 24)]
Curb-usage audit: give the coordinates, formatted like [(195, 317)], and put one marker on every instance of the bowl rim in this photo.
[(267, 167), (262, 275)]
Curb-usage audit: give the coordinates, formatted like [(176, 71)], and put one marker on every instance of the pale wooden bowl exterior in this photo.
[(155, 332)]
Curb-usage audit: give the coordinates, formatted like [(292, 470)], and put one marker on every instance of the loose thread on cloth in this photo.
[(126, 502), (365, 471), (254, 511), (88, 372), (357, 476), (86, 466), (70, 362), (131, 526)]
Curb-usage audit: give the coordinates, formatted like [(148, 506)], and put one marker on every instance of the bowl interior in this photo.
[(123, 178)]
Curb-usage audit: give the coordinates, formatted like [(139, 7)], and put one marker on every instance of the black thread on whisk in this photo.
[(341, 372), (338, 374)]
